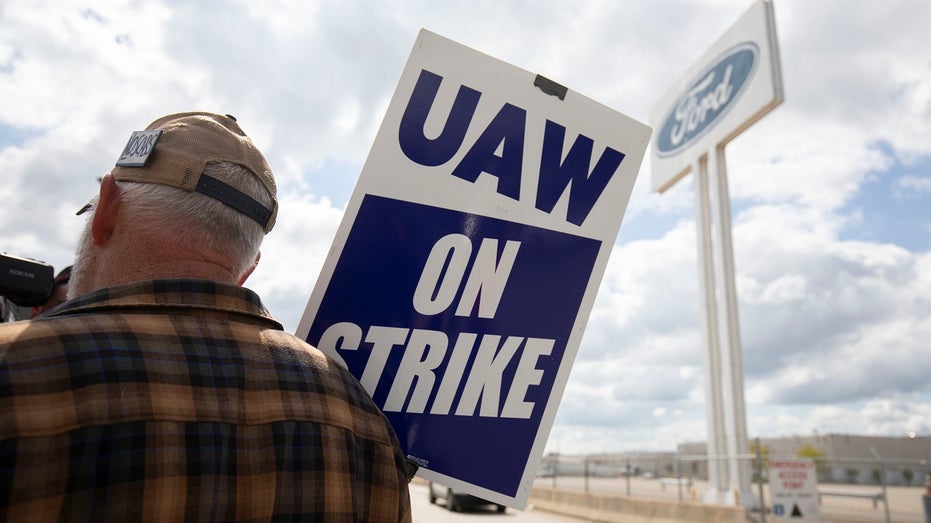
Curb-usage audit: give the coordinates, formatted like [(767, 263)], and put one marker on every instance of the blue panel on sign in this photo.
[(708, 99), (457, 324)]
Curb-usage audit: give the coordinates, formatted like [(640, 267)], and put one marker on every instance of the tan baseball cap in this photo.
[(175, 149)]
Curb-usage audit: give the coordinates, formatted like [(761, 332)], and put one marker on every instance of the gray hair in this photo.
[(207, 223)]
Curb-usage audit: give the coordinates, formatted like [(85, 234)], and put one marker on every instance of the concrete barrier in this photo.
[(617, 509)]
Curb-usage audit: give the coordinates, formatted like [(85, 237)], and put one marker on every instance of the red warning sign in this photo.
[(793, 484)]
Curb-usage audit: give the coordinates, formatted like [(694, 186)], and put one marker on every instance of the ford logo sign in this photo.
[(708, 99)]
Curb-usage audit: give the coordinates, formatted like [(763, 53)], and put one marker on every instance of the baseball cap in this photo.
[(174, 150)]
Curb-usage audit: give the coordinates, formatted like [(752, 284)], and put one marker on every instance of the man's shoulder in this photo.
[(13, 330), (301, 363), (304, 356), (24, 330)]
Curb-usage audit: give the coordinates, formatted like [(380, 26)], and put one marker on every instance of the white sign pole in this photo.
[(716, 444), (735, 84), (729, 332)]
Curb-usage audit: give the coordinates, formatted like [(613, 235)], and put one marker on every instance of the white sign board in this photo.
[(462, 275), (793, 485), (734, 84)]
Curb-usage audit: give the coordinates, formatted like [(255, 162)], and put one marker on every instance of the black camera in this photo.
[(27, 283)]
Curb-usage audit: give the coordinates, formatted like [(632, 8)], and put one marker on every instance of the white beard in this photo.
[(84, 261)]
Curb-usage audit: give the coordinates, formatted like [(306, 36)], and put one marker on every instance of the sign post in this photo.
[(733, 85), (463, 273)]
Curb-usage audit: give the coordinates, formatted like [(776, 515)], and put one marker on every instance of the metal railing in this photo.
[(857, 483)]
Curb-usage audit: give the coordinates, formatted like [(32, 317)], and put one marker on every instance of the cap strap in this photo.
[(234, 198)]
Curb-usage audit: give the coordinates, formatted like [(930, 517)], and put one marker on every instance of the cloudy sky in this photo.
[(831, 193)]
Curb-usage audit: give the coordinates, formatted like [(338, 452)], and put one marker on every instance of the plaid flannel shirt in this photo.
[(183, 400)]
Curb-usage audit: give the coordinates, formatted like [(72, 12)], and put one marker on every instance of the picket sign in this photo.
[(463, 273)]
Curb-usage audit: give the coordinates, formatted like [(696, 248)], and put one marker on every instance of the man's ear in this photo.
[(245, 275), (105, 214)]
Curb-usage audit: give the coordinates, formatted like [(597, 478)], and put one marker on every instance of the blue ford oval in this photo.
[(708, 98)]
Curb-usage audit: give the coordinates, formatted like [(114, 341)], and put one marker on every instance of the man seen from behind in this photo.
[(162, 389)]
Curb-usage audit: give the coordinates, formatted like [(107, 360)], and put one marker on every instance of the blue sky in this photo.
[(830, 192), (893, 205)]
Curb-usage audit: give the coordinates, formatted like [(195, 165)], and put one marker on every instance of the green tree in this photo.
[(852, 474), (908, 476), (764, 456), (821, 466)]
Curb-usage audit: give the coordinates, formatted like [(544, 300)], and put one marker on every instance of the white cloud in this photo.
[(819, 164), (781, 291), (912, 186), (293, 254)]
